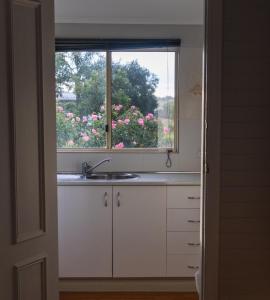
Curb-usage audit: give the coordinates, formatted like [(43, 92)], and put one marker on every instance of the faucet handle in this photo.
[(85, 167)]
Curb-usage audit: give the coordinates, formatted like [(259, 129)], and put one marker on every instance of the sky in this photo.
[(160, 63)]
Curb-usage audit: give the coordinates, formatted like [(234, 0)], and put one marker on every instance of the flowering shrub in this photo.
[(79, 132), (130, 129)]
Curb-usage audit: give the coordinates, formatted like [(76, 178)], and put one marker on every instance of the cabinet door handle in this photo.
[(106, 199), (118, 199), (193, 198), (194, 221), (193, 244), (193, 267)]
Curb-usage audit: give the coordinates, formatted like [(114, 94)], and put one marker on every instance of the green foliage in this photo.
[(137, 83), (63, 73)]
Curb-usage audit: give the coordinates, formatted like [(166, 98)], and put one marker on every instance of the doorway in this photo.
[(190, 81)]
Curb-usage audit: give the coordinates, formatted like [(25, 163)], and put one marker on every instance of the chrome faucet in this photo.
[(88, 169)]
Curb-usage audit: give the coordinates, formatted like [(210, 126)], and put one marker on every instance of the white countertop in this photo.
[(175, 178)]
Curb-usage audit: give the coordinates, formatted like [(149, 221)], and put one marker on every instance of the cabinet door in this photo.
[(139, 231), (85, 231)]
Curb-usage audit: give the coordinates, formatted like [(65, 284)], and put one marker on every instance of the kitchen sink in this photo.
[(111, 176), (96, 176)]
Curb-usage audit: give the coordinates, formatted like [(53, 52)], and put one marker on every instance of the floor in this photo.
[(128, 296)]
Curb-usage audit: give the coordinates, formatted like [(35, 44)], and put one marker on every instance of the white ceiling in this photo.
[(129, 11)]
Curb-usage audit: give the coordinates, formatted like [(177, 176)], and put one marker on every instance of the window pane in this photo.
[(80, 99), (143, 99)]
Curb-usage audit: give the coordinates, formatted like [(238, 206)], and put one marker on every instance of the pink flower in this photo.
[(149, 116), (94, 117), (141, 121), (94, 131), (119, 146), (166, 130), (84, 119), (117, 107), (120, 122), (70, 143), (77, 119), (126, 121), (113, 124), (86, 138), (59, 109), (133, 107), (70, 115)]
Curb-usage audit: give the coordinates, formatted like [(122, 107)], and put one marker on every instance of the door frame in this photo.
[(211, 147)]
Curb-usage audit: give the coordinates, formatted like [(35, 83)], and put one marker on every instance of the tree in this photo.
[(89, 75), (85, 74), (135, 83), (63, 73)]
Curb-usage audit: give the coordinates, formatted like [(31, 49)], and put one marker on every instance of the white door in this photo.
[(28, 212), (139, 231), (85, 231)]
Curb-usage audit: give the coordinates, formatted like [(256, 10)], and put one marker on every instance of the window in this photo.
[(116, 94)]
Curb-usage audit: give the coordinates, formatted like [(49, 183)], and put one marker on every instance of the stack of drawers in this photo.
[(183, 230)]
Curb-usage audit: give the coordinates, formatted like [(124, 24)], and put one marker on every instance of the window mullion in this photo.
[(109, 97)]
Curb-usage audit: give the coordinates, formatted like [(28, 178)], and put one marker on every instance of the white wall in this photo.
[(188, 158), (129, 12)]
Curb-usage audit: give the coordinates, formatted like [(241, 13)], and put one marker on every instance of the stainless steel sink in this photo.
[(111, 176), (95, 176)]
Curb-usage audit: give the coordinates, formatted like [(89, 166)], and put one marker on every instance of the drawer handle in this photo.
[(193, 267), (194, 221), (106, 199), (118, 199), (193, 198), (193, 244)]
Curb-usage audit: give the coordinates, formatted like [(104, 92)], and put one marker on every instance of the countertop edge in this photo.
[(151, 179)]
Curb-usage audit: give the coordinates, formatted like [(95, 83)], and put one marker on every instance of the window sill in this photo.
[(128, 150)]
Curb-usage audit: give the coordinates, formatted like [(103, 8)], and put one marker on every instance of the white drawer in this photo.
[(182, 265), (183, 220), (183, 197), (183, 243)]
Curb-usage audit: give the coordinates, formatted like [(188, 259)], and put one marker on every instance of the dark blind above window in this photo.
[(113, 44)]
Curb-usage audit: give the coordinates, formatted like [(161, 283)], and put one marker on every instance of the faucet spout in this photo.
[(91, 169)]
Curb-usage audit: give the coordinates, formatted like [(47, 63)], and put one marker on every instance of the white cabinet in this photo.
[(182, 265), (183, 219), (85, 231), (139, 231), (183, 197), (128, 231), (93, 236), (183, 230), (183, 243)]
